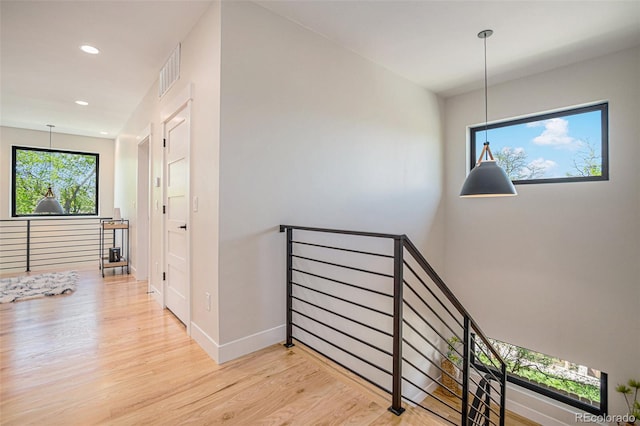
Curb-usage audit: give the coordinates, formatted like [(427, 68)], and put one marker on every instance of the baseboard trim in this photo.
[(252, 343), (205, 342), (237, 348)]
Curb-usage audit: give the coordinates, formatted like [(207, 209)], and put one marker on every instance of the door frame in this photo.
[(143, 206), (182, 101)]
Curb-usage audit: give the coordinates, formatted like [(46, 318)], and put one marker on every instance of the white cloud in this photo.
[(555, 133), (544, 166)]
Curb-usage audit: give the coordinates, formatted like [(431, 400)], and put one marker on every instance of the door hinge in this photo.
[(164, 276), (164, 209), (164, 142)]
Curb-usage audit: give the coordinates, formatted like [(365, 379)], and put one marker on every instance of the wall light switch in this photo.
[(157, 182), (208, 297), (195, 204)]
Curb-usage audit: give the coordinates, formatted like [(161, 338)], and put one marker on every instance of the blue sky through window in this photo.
[(558, 147)]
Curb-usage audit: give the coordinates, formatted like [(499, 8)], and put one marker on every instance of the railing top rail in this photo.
[(343, 231), (449, 294)]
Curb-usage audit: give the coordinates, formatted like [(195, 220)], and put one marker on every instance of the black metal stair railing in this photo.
[(26, 244), (373, 304)]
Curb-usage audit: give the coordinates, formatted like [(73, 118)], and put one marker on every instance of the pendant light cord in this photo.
[(486, 97), (51, 126)]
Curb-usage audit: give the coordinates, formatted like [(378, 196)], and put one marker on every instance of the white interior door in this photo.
[(177, 286)]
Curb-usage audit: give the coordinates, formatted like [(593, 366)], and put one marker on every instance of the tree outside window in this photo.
[(73, 177)]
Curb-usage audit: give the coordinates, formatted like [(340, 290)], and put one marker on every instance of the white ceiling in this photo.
[(432, 43), (435, 43), (43, 70)]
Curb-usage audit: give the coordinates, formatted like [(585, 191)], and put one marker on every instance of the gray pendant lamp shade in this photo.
[(487, 179), (49, 204)]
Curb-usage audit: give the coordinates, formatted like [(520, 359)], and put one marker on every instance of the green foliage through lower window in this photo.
[(575, 381), (72, 175)]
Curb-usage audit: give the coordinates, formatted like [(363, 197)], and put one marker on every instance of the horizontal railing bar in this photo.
[(19, 239), (54, 238), (14, 255), (486, 406), (12, 250), (472, 380), (61, 263), (473, 357), (424, 302), (66, 251), (343, 350), (344, 249), (429, 410), (444, 339), (343, 282), (41, 256), (434, 295), (344, 333), (49, 262), (345, 367), (22, 231), (457, 410), (419, 352), (481, 409), (497, 402), (343, 316), (432, 363), (342, 266), (424, 373), (341, 231), (343, 299), (447, 292), (94, 246), (19, 264), (76, 256), (479, 371), (48, 226), (497, 379)]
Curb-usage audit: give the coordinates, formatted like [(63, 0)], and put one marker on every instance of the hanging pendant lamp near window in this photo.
[(487, 179), (49, 204)]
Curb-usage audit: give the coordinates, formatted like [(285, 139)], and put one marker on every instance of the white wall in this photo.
[(200, 59), (311, 134), (556, 269), (10, 136)]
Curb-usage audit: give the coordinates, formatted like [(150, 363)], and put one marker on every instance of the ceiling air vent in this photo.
[(170, 72)]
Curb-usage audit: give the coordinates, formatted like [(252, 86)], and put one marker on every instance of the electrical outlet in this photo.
[(208, 297)]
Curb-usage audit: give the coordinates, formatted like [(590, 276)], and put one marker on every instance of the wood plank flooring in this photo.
[(108, 354)]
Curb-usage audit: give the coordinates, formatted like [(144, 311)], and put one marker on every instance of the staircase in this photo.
[(371, 303)]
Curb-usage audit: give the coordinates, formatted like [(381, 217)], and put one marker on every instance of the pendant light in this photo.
[(487, 179), (49, 204)]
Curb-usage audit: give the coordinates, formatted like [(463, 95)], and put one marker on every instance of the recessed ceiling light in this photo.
[(104, 133), (83, 103), (89, 49)]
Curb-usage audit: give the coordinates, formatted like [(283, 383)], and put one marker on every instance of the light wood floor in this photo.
[(108, 354)]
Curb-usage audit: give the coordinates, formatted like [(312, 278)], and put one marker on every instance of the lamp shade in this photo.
[(49, 204), (487, 179)]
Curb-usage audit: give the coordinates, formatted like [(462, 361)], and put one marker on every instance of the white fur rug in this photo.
[(32, 286)]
